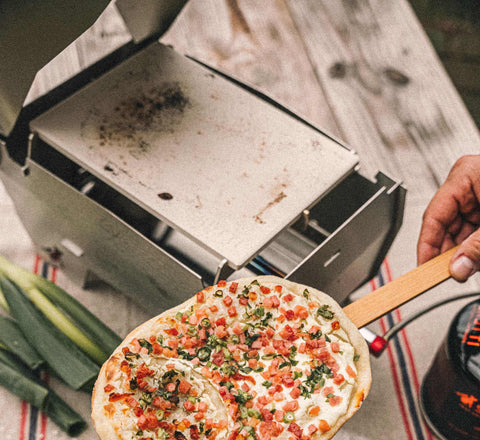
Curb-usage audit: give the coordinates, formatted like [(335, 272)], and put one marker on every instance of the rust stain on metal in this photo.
[(278, 199), (165, 196)]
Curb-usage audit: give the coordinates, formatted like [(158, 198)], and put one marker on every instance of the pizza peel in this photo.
[(404, 288)]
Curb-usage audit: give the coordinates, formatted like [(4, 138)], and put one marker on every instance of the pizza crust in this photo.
[(110, 371)]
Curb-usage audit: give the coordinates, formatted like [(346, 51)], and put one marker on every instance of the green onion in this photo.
[(204, 353), (63, 356), (289, 417), (205, 322), (48, 295), (12, 338), (252, 412), (29, 387), (218, 293)]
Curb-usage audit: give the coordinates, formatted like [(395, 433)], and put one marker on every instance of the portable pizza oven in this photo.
[(161, 175)]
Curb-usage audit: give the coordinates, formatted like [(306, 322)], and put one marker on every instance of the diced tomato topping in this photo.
[(220, 321), (142, 422), (257, 344), (289, 314), (314, 411), (301, 312), (324, 426), (158, 402), (171, 387), (350, 371), (288, 297), (243, 301), (263, 400), (220, 332), (222, 283), (312, 429), (287, 380), (335, 325), (189, 406), (233, 287), (327, 390), (173, 343), (270, 333), (295, 393), (232, 311), (335, 400), (335, 346), (237, 329), (131, 402), (228, 301), (213, 308), (199, 416), (200, 297), (288, 333), (252, 296), (194, 434), (108, 388), (157, 348), (171, 331), (338, 379), (295, 430), (278, 289), (266, 414), (291, 406), (265, 290), (143, 371), (184, 386)]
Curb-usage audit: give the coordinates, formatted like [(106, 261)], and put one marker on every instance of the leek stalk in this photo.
[(84, 329), (22, 386), (70, 363), (19, 380), (11, 337)]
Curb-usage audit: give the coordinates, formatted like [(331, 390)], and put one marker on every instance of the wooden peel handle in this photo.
[(399, 291)]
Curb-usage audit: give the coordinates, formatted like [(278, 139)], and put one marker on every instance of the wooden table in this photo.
[(363, 70)]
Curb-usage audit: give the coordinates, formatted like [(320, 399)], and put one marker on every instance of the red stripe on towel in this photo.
[(23, 420), (408, 348), (395, 378)]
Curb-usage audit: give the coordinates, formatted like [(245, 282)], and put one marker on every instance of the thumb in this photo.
[(466, 260)]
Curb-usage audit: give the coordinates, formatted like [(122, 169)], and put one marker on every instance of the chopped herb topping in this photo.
[(325, 313)]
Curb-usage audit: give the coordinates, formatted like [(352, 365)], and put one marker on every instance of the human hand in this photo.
[(452, 217)]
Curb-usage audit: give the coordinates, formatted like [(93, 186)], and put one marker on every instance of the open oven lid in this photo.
[(35, 32)]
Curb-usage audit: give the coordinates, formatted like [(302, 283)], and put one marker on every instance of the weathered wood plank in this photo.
[(259, 44), (390, 95)]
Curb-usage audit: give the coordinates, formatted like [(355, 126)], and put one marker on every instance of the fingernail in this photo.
[(462, 268)]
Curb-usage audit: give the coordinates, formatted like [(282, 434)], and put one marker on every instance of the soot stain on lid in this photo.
[(130, 122)]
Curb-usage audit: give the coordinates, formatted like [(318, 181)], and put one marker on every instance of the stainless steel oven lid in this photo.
[(33, 33), (197, 151)]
